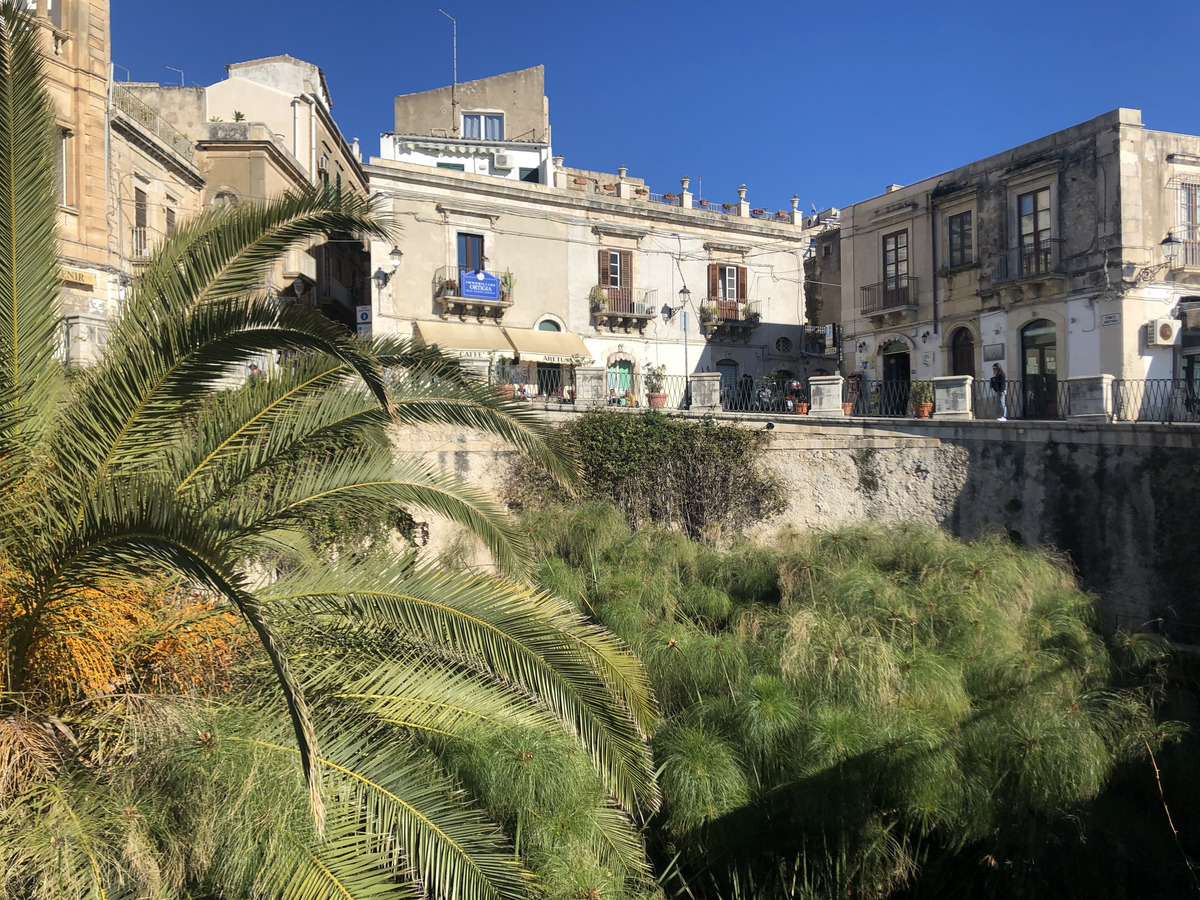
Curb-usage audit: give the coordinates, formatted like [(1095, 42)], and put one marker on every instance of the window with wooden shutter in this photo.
[(742, 285), (714, 281)]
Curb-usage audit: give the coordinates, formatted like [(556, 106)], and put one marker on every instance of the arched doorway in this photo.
[(620, 377), (1039, 369), (897, 367), (962, 353)]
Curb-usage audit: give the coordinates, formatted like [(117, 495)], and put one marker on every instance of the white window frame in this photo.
[(614, 269), (482, 116), (727, 279)]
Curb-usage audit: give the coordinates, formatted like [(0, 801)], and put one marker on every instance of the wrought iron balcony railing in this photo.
[(1027, 261), (895, 293)]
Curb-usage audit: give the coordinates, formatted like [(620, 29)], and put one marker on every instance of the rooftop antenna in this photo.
[(454, 86), (180, 71)]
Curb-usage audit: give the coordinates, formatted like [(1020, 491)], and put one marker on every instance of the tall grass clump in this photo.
[(863, 711)]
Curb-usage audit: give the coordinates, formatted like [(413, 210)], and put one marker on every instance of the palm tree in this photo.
[(147, 466)]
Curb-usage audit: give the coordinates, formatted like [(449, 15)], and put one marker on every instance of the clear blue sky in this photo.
[(832, 100)]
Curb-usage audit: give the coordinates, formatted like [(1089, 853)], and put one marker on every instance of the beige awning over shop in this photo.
[(467, 341), (562, 347)]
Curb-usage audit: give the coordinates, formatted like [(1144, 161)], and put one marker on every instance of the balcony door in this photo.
[(470, 252), (1033, 216), (895, 269), (616, 277)]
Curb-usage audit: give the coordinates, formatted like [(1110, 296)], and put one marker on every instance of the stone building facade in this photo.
[(135, 160), (1048, 259), (510, 258)]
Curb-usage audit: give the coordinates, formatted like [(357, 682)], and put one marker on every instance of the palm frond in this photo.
[(578, 672), (28, 289), (447, 846)]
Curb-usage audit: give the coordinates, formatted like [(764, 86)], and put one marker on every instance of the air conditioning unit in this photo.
[(1162, 332), (323, 163), (503, 161)]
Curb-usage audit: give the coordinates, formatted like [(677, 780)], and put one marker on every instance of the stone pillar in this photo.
[(706, 392), (952, 397), (685, 196), (624, 188), (825, 393), (1090, 398), (589, 388), (479, 368), (743, 208), (797, 216)]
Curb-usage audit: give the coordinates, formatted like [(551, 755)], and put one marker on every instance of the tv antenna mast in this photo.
[(454, 84)]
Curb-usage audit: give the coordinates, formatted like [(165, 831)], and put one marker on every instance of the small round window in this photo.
[(783, 344)]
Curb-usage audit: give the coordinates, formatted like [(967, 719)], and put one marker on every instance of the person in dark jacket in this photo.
[(999, 386)]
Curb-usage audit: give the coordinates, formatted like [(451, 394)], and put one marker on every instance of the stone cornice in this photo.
[(503, 190)]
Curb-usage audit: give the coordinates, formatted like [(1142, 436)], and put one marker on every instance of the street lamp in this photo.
[(668, 313)]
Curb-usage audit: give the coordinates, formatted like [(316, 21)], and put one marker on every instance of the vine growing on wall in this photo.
[(700, 476)]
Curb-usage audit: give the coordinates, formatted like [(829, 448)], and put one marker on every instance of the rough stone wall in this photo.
[(1115, 499)]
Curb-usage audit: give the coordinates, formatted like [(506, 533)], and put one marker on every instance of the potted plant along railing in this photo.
[(707, 313), (508, 281), (656, 398), (797, 397), (922, 399), (597, 299)]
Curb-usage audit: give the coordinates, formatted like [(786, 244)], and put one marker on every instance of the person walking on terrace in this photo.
[(999, 386)]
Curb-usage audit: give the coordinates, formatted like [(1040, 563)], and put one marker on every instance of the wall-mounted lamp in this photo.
[(1170, 250), (925, 337), (381, 278), (668, 311), (862, 346)]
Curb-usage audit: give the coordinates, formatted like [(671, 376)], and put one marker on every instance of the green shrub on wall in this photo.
[(703, 477)]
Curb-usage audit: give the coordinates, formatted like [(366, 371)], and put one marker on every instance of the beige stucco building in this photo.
[(1047, 259), (510, 258), (135, 160)]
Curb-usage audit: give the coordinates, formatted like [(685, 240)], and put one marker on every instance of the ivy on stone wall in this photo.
[(703, 477)]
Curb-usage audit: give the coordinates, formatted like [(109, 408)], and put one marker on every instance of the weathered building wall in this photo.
[(1115, 499)]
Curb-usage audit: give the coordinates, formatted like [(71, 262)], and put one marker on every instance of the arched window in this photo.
[(962, 353), (548, 325)]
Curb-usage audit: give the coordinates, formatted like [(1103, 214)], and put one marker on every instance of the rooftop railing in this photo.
[(125, 101)]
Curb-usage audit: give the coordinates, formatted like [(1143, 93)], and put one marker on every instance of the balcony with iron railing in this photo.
[(623, 307), (130, 105), (729, 320), (469, 293), (1036, 260), (892, 294)]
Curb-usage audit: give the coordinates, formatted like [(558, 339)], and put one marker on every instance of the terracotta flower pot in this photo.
[(656, 400), (923, 410), (801, 409), (507, 391), (847, 408)]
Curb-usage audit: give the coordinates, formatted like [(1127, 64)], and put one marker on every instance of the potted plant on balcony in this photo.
[(707, 313), (750, 316), (449, 287), (656, 398), (508, 281), (597, 299), (922, 398)]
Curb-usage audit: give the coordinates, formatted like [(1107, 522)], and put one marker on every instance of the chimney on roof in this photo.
[(892, 187)]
